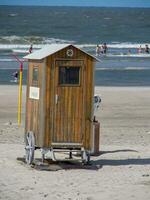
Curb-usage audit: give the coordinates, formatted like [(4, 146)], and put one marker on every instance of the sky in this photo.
[(97, 3)]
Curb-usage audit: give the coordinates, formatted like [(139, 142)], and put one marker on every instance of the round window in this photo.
[(69, 52)]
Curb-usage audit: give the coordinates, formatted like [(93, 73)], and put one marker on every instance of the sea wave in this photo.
[(23, 42), (11, 68), (17, 46), (7, 60), (127, 45), (13, 14), (121, 69), (141, 55), (117, 45)]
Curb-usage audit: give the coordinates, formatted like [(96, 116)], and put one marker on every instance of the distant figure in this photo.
[(15, 75), (30, 49), (146, 49), (129, 51), (104, 48), (140, 49), (101, 49), (97, 50)]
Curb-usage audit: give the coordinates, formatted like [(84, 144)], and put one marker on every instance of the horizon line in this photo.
[(76, 6)]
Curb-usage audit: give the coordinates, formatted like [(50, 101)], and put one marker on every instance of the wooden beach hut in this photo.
[(59, 102)]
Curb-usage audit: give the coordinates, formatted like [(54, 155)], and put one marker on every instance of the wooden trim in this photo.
[(74, 64), (70, 144), (92, 131), (69, 59), (84, 103), (53, 98), (42, 105)]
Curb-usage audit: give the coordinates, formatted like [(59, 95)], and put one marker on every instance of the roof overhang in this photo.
[(49, 50)]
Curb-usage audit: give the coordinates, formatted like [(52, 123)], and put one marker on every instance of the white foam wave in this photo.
[(17, 42), (14, 42), (18, 46), (137, 68), (107, 18), (127, 45), (57, 40), (121, 69), (127, 55), (6, 60), (21, 47), (13, 14), (117, 45), (11, 68)]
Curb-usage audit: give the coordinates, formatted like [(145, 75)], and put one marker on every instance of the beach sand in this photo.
[(123, 166)]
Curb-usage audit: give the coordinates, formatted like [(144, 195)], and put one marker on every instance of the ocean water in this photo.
[(123, 29)]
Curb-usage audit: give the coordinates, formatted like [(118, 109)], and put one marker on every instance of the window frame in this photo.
[(35, 82), (70, 84)]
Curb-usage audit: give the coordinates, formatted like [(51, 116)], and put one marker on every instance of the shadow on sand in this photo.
[(117, 151), (115, 162), (50, 165), (131, 161)]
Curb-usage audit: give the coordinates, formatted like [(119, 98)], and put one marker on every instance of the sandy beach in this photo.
[(123, 168)]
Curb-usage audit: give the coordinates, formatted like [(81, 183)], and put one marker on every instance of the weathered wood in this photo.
[(67, 114), (42, 108), (69, 120)]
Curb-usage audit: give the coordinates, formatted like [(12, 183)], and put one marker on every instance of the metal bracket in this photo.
[(43, 152), (52, 155)]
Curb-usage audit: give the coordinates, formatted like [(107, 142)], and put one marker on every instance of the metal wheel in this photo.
[(30, 147)]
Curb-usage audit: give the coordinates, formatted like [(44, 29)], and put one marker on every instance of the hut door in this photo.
[(69, 108)]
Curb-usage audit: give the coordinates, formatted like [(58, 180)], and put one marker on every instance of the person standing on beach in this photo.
[(15, 74)]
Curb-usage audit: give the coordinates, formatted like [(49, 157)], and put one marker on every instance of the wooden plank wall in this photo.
[(69, 116), (42, 124), (33, 107), (88, 94)]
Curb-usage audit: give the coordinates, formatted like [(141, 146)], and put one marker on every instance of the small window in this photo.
[(35, 75), (69, 75)]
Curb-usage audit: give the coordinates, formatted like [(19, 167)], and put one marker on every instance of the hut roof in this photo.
[(51, 49)]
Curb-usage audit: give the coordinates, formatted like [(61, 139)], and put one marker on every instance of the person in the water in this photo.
[(30, 49), (140, 49), (105, 48), (146, 48)]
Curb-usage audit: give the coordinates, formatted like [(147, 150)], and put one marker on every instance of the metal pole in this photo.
[(20, 90), (20, 95)]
